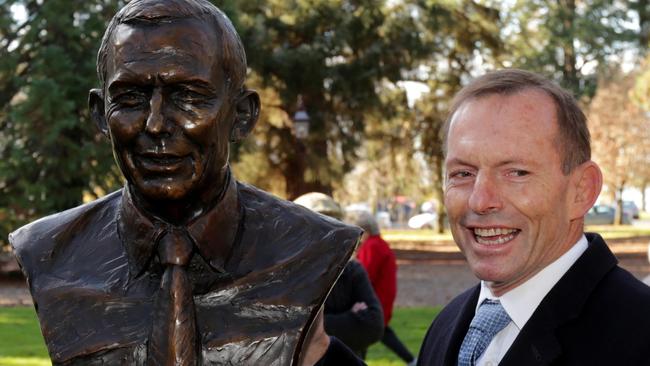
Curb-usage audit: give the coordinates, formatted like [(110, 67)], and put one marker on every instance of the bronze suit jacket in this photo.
[(93, 279), (597, 314)]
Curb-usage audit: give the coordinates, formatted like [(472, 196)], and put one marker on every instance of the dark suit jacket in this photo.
[(597, 314)]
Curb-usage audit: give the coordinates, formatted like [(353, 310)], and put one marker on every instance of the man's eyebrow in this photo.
[(525, 162), (457, 161)]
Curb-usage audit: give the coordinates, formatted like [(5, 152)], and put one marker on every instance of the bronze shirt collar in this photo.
[(214, 233)]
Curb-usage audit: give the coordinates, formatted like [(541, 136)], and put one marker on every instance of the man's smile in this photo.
[(494, 235)]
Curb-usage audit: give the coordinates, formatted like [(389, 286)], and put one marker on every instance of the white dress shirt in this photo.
[(521, 302)]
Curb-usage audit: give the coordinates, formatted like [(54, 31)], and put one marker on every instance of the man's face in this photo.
[(505, 193), (167, 108)]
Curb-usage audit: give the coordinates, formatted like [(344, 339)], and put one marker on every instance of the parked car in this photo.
[(604, 215), (631, 209), (427, 220)]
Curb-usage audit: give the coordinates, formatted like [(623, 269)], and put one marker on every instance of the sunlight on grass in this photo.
[(415, 235), (21, 342), (25, 361), (411, 325)]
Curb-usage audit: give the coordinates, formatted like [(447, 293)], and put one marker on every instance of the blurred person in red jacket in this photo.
[(379, 261)]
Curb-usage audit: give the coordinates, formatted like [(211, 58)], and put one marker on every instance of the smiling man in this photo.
[(519, 180), (184, 265)]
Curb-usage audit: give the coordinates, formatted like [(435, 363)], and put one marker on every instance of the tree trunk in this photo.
[(618, 218), (439, 194), (644, 186), (642, 8), (296, 166), (569, 70)]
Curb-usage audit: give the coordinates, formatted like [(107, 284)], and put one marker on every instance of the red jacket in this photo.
[(379, 261)]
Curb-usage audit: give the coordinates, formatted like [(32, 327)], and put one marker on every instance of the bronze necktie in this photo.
[(173, 338)]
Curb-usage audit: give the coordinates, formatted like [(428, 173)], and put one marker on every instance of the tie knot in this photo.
[(175, 247), (490, 318)]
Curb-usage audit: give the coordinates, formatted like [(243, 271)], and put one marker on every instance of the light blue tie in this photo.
[(488, 321)]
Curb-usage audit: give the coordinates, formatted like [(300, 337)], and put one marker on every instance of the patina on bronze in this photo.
[(184, 265)]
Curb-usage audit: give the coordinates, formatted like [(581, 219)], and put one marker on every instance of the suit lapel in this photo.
[(460, 326), (538, 343)]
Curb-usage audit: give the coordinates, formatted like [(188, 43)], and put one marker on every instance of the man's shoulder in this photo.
[(448, 328), (285, 217), (42, 235), (620, 288)]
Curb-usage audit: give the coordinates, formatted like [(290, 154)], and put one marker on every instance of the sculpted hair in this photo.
[(154, 12), (573, 140)]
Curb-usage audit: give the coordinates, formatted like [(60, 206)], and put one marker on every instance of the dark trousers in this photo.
[(391, 341)]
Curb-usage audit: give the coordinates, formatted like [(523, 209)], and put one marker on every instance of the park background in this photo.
[(354, 95)]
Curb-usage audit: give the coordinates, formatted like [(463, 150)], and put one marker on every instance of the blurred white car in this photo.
[(427, 220)]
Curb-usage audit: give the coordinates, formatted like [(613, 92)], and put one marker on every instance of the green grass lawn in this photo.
[(21, 343), (410, 324)]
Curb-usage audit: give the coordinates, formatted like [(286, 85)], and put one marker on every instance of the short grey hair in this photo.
[(573, 139), (364, 220)]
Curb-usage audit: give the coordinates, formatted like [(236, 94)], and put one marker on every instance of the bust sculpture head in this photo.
[(172, 97)]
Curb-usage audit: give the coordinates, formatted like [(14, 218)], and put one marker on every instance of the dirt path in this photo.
[(431, 283)]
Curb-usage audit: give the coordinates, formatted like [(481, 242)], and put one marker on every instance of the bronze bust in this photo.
[(184, 265)]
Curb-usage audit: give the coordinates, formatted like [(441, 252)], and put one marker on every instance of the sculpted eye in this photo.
[(130, 99), (187, 96)]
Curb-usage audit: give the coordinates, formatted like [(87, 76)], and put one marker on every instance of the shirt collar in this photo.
[(214, 233), (521, 302)]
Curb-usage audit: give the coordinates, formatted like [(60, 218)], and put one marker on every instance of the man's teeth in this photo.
[(494, 235)]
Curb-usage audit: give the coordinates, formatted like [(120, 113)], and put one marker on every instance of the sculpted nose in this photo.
[(156, 123), (485, 197)]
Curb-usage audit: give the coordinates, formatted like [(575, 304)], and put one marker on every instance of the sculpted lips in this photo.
[(160, 162), (494, 236)]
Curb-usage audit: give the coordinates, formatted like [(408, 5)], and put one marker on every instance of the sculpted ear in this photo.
[(96, 106), (588, 181), (247, 112)]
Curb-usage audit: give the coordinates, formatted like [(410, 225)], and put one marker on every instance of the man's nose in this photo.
[(156, 120), (485, 197)]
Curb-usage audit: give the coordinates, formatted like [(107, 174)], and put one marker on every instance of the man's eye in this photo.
[(518, 173), (460, 174)]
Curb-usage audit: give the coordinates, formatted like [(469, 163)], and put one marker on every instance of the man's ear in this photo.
[(247, 112), (96, 106), (587, 182)]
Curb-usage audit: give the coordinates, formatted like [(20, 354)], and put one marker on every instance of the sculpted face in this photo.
[(167, 109), (511, 209)]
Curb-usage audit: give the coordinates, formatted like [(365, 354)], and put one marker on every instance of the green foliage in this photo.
[(51, 153), (344, 58), (336, 56), (565, 38)]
